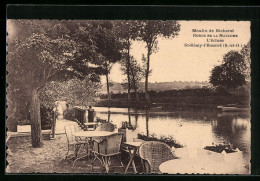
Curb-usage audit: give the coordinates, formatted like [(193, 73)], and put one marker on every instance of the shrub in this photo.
[(69, 114), (220, 90), (169, 141), (99, 120), (24, 122), (46, 117), (221, 147), (126, 124)]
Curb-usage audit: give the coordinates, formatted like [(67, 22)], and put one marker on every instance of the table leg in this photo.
[(131, 160), (77, 147), (134, 168), (106, 165)]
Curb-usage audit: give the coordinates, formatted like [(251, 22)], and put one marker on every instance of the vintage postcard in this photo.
[(128, 97)]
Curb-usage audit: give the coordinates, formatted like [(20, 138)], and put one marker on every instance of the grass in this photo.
[(50, 158)]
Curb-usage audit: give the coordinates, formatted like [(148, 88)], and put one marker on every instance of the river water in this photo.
[(194, 129)]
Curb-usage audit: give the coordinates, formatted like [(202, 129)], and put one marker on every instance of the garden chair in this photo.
[(74, 142), (153, 154), (106, 127), (107, 148)]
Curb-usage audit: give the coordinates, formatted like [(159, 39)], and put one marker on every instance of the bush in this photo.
[(169, 141), (99, 120), (46, 117), (24, 122), (219, 148), (126, 124), (220, 90), (69, 114)]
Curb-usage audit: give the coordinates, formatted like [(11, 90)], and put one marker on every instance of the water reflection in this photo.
[(233, 129), (147, 115), (191, 129), (136, 118), (129, 117), (108, 115)]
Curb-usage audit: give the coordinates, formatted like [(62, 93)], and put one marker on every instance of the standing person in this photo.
[(91, 114)]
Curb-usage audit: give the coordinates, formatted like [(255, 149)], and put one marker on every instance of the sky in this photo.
[(174, 62)]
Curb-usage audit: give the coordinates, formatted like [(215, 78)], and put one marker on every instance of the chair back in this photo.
[(69, 130), (106, 127), (155, 153), (110, 145)]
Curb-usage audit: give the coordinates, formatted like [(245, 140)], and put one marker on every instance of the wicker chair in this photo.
[(106, 148), (153, 154), (74, 142), (106, 127)]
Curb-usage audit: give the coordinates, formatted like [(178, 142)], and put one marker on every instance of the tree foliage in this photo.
[(231, 73), (108, 46), (75, 92), (135, 75), (51, 59), (128, 32), (40, 51)]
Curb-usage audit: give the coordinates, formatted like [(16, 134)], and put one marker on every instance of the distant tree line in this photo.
[(178, 93), (160, 86)]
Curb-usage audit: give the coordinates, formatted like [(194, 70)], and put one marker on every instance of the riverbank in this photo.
[(174, 103)]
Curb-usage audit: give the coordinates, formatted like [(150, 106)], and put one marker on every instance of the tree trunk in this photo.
[(129, 117), (108, 93), (134, 84), (53, 124), (128, 77), (147, 98), (136, 95), (147, 122), (136, 118), (108, 114), (35, 115), (135, 88)]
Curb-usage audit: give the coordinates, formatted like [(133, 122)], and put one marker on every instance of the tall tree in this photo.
[(41, 51), (135, 76), (128, 32), (149, 33), (108, 46), (230, 73)]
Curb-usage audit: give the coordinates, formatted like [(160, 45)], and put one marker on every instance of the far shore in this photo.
[(177, 103)]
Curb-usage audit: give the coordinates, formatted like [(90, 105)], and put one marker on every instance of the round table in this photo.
[(196, 166), (91, 134)]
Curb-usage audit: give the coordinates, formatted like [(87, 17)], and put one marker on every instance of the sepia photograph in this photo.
[(128, 97)]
